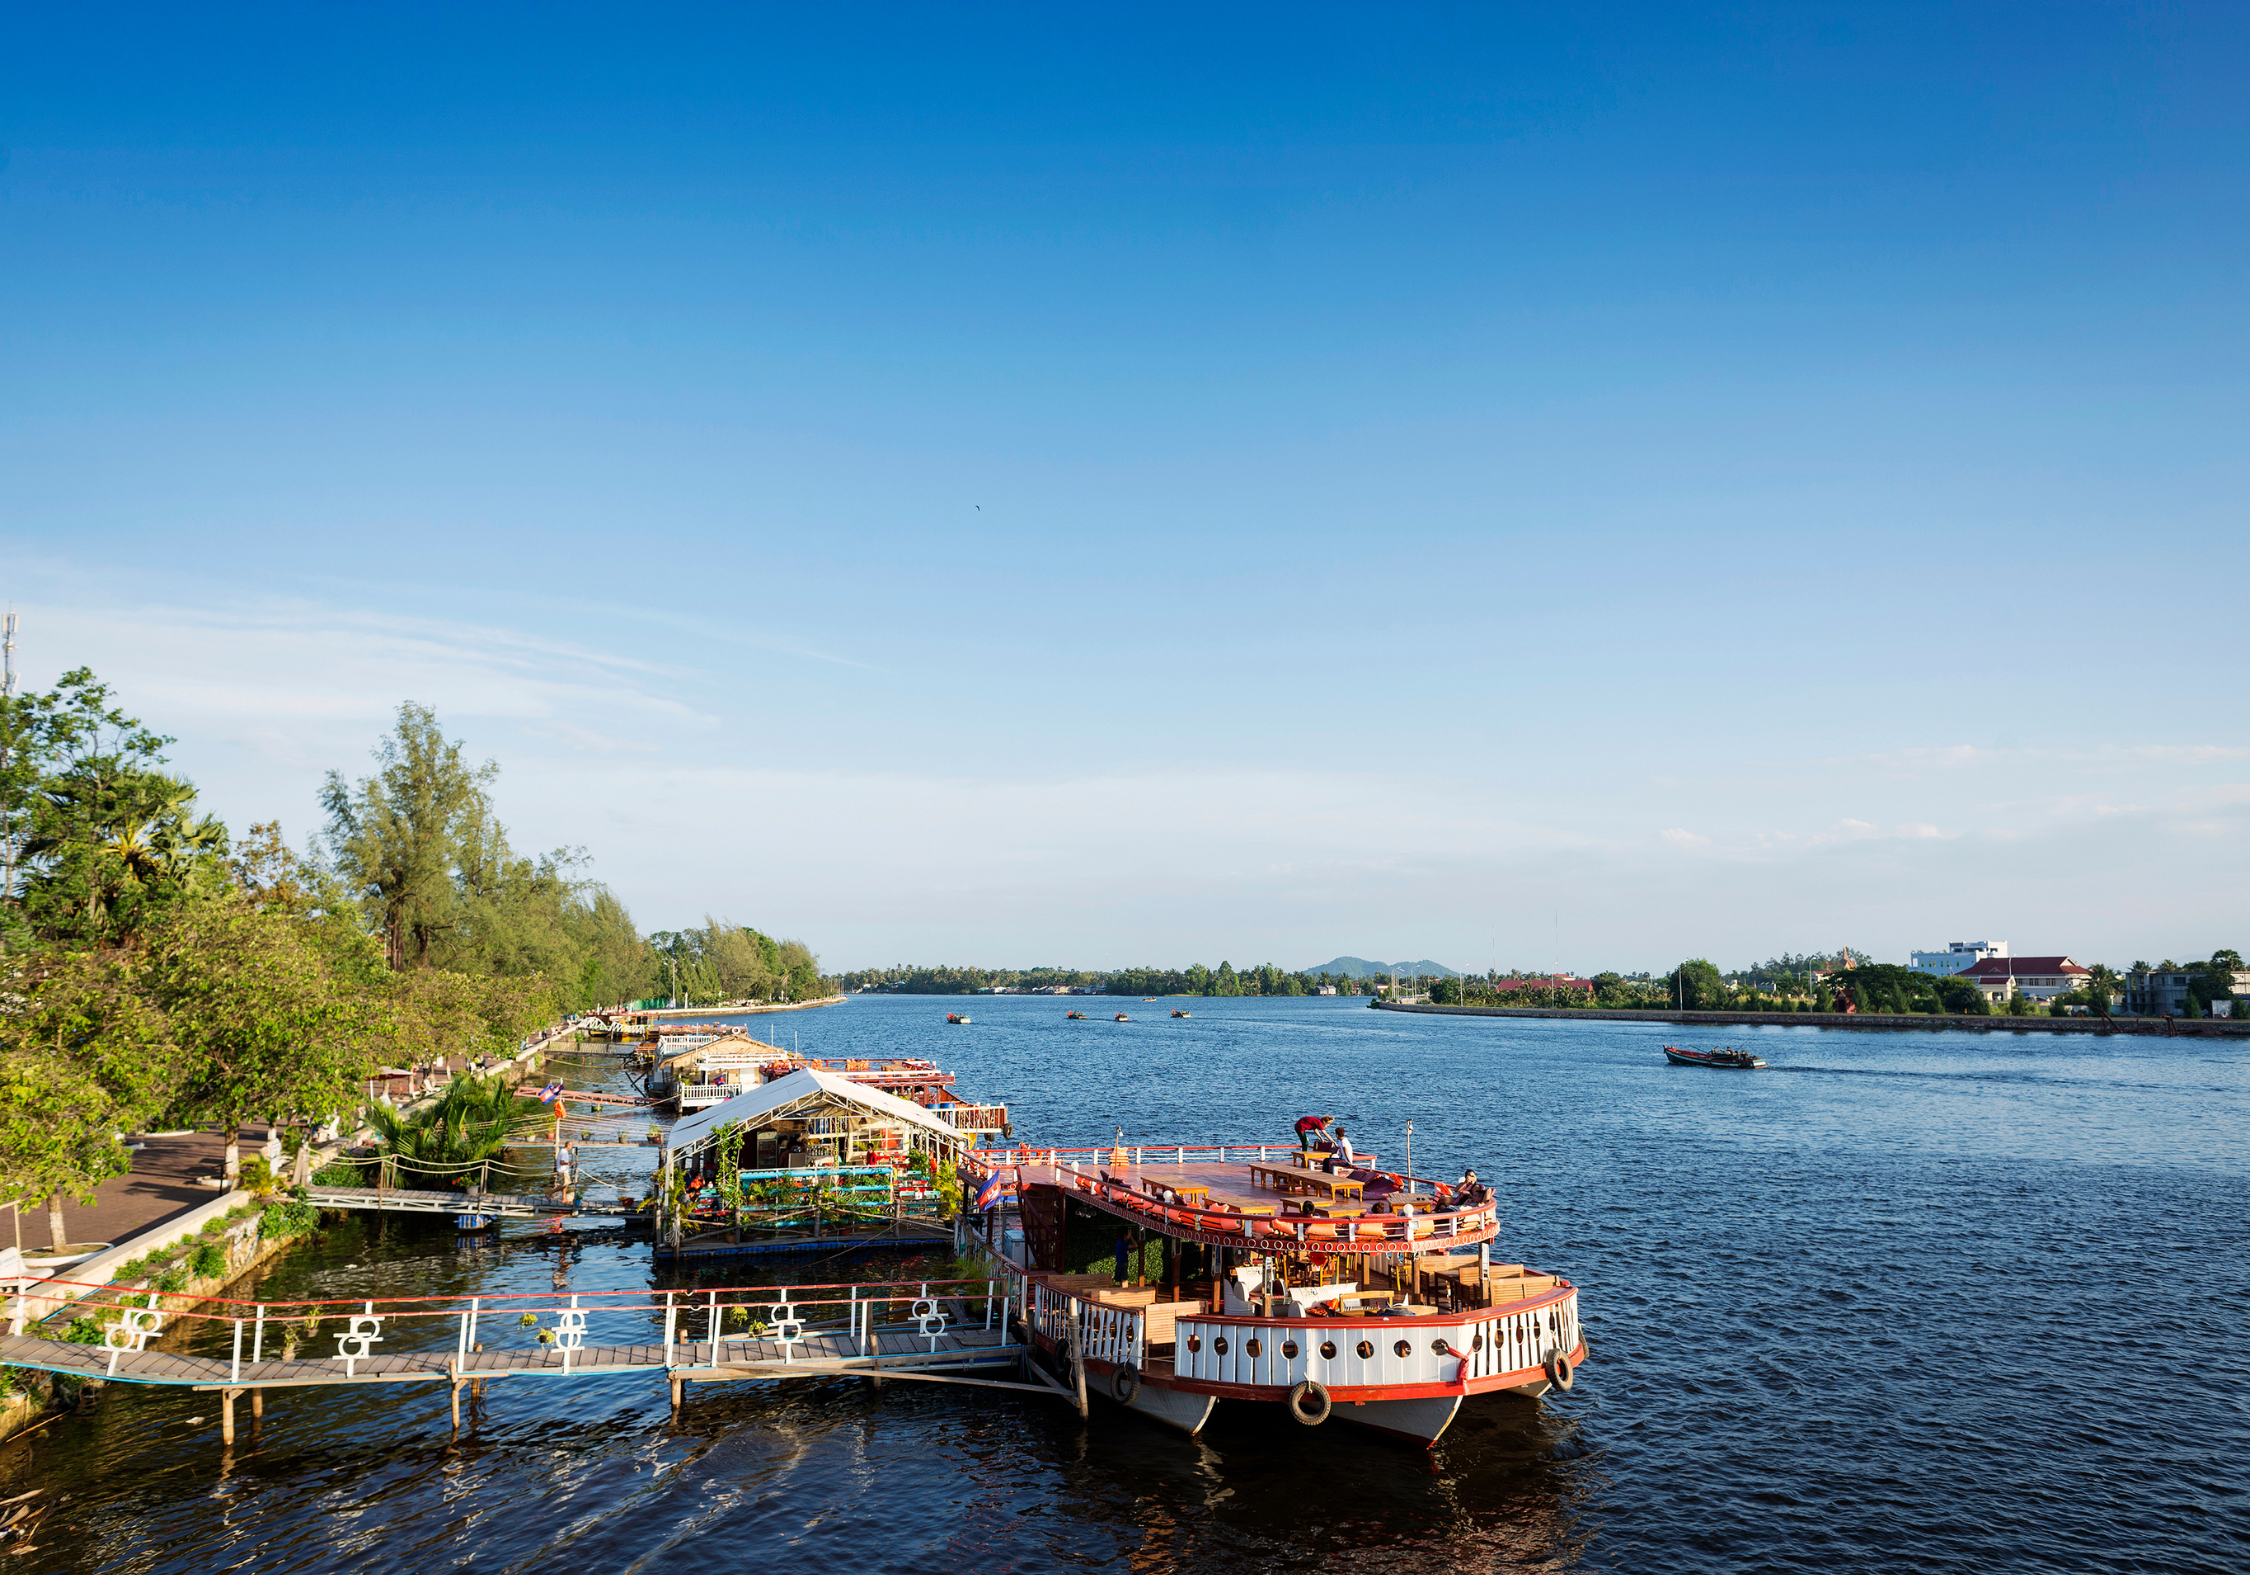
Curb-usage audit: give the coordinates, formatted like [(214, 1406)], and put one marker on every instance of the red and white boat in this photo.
[(1350, 1292)]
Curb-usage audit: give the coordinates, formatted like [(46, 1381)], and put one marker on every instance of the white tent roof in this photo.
[(751, 1105)]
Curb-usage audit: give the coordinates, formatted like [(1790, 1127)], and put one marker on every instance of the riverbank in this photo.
[(735, 1011), (172, 1223), (2209, 1028)]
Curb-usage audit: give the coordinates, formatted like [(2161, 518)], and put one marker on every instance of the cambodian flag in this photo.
[(989, 1193), (547, 1094)]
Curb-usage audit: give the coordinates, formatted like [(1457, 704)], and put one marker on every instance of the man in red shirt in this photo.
[(1311, 1127)]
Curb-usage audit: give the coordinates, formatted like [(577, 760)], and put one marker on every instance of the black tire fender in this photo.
[(1559, 1373), (1318, 1394), (1125, 1383)]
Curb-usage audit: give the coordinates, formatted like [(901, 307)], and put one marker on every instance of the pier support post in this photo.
[(679, 1392), (457, 1404), (1078, 1366), (226, 1416), (257, 1405)]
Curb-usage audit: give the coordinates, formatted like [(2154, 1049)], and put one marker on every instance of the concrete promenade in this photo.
[(2207, 1028)]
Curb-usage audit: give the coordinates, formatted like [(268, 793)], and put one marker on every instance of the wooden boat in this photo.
[(1728, 1060), (1177, 1012), (1364, 1297), (1121, 1017), (957, 1017), (1075, 1016)]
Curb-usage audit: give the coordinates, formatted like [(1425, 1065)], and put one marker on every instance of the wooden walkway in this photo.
[(393, 1200), (899, 1352)]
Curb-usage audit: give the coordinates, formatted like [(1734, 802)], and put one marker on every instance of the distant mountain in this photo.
[(1361, 968)]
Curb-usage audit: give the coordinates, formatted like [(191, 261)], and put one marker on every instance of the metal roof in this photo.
[(753, 1106)]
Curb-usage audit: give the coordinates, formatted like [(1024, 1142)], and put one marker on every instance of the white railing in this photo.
[(1106, 1334), (1352, 1353)]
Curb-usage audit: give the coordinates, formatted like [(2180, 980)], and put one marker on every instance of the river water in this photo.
[(1923, 1301)]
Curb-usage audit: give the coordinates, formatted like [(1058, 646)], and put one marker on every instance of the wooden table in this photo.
[(1191, 1197), (1284, 1179)]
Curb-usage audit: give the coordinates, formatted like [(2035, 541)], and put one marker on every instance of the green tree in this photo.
[(472, 1122), (398, 836), (265, 1030), (83, 1057), (94, 840), (1695, 986)]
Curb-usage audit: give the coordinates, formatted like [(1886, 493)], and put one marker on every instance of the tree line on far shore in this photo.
[(157, 970), (1265, 979), (1864, 987)]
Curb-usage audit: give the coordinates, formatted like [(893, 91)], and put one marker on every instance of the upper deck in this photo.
[(1274, 1202)]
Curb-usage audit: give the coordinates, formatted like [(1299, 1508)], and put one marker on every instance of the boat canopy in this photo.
[(809, 1093)]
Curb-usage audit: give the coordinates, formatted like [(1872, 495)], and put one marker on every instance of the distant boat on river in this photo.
[(1727, 1060), (958, 1017)]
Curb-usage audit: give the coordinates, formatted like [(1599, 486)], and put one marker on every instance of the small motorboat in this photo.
[(958, 1017), (1178, 1012), (1121, 1017), (1729, 1060), (1076, 1017)]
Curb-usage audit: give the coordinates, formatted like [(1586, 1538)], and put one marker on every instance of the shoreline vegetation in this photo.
[(157, 970), (1907, 1021)]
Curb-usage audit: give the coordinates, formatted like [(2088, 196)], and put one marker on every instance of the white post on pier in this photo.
[(234, 1372), (258, 1344)]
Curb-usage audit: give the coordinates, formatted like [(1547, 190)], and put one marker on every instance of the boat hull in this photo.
[(1421, 1421), (1174, 1407)]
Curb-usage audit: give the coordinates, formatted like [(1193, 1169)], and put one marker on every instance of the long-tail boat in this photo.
[(1288, 1279), (1729, 1060)]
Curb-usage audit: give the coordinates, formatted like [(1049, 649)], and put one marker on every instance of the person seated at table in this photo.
[(1381, 1205), (1344, 1147)]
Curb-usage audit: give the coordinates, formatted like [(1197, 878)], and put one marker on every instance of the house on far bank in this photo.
[(1560, 981), (2163, 992), (2039, 978), (1958, 957)]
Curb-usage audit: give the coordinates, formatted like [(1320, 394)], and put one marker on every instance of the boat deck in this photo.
[(1233, 1184)]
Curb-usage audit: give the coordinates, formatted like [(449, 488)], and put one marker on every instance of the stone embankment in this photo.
[(2210, 1028)]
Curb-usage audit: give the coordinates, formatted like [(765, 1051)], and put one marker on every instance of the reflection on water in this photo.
[(1950, 1301)]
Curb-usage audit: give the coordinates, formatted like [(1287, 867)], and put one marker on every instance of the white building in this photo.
[(1958, 957)]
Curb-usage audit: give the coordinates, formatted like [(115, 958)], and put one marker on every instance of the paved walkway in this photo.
[(160, 1187)]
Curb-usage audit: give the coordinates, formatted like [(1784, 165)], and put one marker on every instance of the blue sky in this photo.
[(1155, 485)]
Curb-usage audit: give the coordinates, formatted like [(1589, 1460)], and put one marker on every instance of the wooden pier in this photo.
[(952, 1332)]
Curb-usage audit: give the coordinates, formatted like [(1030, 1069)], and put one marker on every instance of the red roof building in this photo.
[(2041, 978), (1558, 982)]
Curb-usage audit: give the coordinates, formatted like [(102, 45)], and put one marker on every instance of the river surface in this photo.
[(1906, 1301)]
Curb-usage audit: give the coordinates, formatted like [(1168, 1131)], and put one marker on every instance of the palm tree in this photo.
[(473, 1121)]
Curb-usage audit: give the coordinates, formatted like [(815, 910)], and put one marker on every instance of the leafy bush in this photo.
[(173, 1279), (256, 1176), (208, 1261), (283, 1220), (340, 1173), (213, 1227), (83, 1331)]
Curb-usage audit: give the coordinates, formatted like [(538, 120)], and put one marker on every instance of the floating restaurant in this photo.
[(1305, 1278)]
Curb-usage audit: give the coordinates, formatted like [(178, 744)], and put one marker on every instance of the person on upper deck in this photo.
[(1344, 1147), (1310, 1128)]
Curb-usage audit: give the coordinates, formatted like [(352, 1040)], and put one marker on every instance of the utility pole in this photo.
[(7, 727)]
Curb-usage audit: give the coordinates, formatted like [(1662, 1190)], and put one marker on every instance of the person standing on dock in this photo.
[(1124, 1251)]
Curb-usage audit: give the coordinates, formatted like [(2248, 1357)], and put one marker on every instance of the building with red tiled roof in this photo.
[(1561, 981), (2041, 978)]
